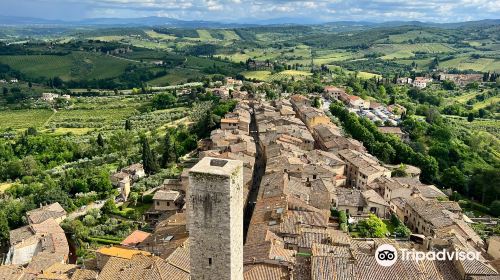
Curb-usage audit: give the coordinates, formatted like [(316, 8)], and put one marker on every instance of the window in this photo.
[(210, 261), (314, 177), (360, 209), (157, 203), (168, 203)]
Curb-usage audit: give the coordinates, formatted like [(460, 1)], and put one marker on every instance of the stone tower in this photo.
[(215, 217)]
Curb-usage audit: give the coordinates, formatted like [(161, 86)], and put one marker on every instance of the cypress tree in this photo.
[(148, 159), (168, 151), (128, 125), (100, 140)]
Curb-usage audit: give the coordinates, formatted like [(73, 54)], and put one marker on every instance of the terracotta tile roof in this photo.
[(11, 272), (166, 195), (180, 258), (333, 268), (44, 213), (58, 271), (135, 238), (119, 252), (84, 274), (265, 271)]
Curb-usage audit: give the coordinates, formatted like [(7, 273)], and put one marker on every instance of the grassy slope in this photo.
[(77, 65)]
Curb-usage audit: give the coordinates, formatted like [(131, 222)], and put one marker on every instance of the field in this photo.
[(175, 76), (204, 35), (268, 76), (411, 35), (23, 119), (159, 36), (392, 51), (466, 63), (78, 65), (258, 75)]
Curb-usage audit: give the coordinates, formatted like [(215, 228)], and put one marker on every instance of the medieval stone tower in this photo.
[(215, 217)]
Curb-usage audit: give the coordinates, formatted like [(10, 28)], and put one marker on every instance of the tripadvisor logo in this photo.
[(387, 255)]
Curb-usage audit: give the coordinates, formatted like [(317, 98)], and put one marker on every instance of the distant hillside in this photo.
[(165, 21)]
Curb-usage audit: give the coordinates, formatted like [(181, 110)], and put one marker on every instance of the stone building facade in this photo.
[(215, 211)]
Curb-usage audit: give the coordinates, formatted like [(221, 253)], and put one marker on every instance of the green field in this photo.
[(268, 76), (175, 76), (76, 66), (412, 35), (466, 63), (258, 75), (204, 35), (392, 51), (23, 119)]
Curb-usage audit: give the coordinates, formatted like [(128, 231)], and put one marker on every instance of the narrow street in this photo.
[(258, 173)]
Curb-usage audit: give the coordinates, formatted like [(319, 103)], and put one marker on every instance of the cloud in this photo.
[(237, 10)]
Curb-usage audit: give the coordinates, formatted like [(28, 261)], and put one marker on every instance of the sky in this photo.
[(252, 10)]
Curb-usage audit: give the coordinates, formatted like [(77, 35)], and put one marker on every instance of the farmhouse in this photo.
[(121, 180), (49, 97), (136, 171), (421, 82), (461, 79), (166, 200)]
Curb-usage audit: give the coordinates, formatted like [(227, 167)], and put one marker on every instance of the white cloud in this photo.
[(233, 10)]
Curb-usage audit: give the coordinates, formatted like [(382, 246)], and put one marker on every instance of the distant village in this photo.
[(259, 203)]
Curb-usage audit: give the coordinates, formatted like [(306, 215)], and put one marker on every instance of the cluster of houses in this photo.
[(376, 112), (461, 79), (37, 247), (50, 97), (458, 79), (229, 89), (12, 81), (124, 179), (418, 82), (307, 167)]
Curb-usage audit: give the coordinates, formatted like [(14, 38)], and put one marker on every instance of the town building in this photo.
[(421, 82), (39, 215), (362, 168), (215, 211), (121, 180)]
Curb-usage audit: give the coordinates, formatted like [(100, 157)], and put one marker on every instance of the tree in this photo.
[(372, 227), (402, 231), (100, 140), (128, 125), (316, 102), (454, 178), (133, 198), (168, 155), (4, 230), (495, 208), (449, 85), (57, 82), (109, 206), (148, 158), (470, 117), (122, 142)]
